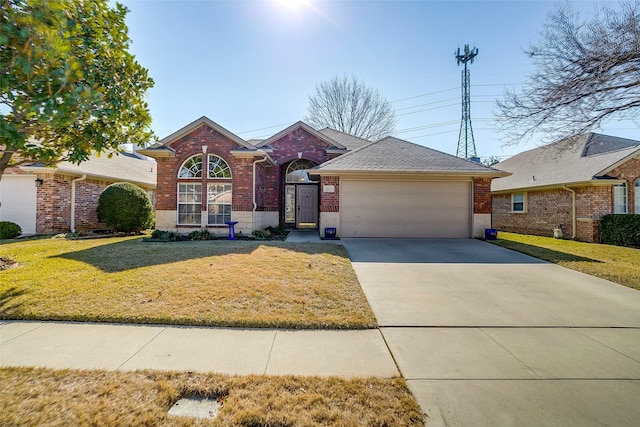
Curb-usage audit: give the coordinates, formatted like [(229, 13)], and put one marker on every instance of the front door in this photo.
[(307, 206)]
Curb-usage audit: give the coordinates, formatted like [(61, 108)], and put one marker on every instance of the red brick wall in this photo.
[(87, 196), (53, 204), (482, 195), (190, 145), (330, 202)]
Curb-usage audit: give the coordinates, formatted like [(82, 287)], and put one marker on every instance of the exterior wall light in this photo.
[(38, 182)]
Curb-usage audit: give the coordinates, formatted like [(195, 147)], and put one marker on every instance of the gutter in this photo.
[(573, 211), (73, 201), (255, 205)]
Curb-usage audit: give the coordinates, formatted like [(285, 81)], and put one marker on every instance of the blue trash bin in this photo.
[(490, 234), (330, 233)]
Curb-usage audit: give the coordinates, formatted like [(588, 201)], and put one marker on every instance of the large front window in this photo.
[(218, 203), (620, 199), (189, 203)]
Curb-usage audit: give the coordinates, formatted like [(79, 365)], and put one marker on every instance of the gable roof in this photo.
[(120, 167), (305, 127), (576, 160), (351, 142), (163, 148), (391, 155)]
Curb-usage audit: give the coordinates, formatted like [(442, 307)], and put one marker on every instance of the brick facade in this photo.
[(481, 195), (548, 209)]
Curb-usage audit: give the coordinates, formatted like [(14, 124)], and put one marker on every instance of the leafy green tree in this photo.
[(124, 206), (68, 84)]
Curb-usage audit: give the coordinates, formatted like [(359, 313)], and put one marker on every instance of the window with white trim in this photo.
[(620, 198), (636, 192), (191, 168), (518, 202), (189, 203), (218, 203), (218, 168)]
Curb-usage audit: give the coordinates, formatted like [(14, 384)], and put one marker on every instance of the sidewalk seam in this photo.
[(140, 349), (508, 351), (24, 333), (273, 343)]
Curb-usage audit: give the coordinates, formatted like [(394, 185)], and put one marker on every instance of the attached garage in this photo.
[(393, 208), (396, 189), (18, 201)]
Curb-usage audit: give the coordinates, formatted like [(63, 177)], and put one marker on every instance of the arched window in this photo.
[(218, 168), (620, 199), (297, 171), (191, 168), (636, 192)]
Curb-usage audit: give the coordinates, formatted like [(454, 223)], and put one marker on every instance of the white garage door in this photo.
[(428, 209), (18, 201)]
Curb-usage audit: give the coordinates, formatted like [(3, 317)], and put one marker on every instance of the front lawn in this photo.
[(216, 283), (615, 263), (46, 397)]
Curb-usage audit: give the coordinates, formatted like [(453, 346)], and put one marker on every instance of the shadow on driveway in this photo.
[(432, 251)]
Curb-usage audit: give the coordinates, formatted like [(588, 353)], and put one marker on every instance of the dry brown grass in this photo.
[(217, 283), (46, 397)]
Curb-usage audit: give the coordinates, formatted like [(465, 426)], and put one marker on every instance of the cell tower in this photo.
[(466, 143)]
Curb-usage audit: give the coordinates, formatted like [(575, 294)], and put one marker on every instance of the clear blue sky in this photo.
[(251, 65)]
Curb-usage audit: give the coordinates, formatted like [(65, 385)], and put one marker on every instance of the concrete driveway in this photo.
[(485, 336)]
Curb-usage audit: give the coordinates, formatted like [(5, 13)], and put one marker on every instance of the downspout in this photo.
[(573, 211), (255, 205), (73, 201)]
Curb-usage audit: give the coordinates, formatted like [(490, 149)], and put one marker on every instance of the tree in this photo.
[(348, 105), (587, 71), (490, 161), (69, 85), (126, 207)]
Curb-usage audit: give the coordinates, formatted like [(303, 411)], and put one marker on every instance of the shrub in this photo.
[(125, 207), (261, 234), (168, 236), (620, 230), (200, 235), (9, 230)]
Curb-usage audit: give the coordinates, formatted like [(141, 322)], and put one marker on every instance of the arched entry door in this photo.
[(300, 196)]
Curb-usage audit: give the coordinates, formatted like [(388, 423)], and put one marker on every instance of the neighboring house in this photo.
[(569, 184), (64, 197), (304, 178)]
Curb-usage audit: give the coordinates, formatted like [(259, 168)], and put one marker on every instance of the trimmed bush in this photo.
[(9, 230), (620, 230), (125, 207)]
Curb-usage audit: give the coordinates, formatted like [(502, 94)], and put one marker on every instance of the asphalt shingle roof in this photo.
[(349, 141), (396, 155), (572, 160), (120, 167)]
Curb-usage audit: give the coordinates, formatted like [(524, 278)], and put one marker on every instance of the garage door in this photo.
[(18, 201), (428, 209)]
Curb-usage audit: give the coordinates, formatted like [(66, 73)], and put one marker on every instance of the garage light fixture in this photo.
[(39, 182)]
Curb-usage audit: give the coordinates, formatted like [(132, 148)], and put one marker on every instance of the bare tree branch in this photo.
[(349, 106), (587, 71)]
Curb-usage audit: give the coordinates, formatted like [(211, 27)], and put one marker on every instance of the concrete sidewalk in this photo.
[(62, 345)]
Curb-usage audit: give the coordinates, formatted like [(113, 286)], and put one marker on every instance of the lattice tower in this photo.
[(466, 142)]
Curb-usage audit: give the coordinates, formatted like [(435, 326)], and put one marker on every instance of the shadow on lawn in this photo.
[(543, 253), (7, 301), (131, 254)]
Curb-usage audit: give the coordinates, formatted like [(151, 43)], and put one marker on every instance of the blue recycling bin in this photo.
[(330, 232), (490, 234)]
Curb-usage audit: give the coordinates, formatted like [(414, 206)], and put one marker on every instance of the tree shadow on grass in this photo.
[(546, 254), (132, 254), (8, 306)]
